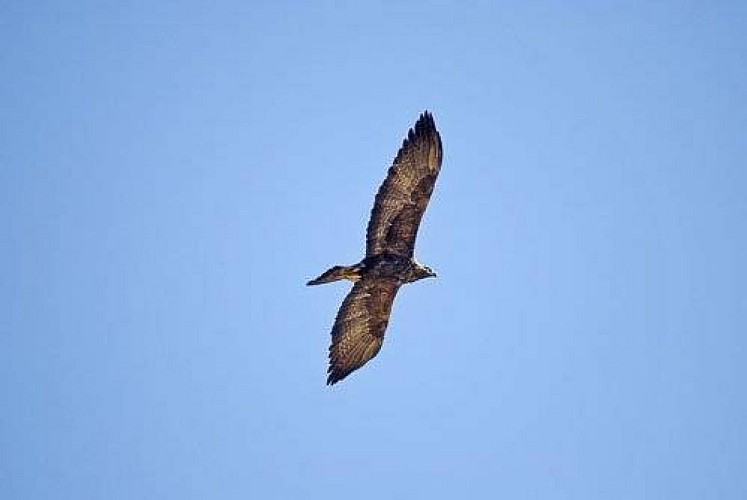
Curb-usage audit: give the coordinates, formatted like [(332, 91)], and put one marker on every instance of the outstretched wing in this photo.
[(403, 197), (360, 325)]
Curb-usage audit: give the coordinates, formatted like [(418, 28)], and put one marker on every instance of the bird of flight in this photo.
[(361, 322)]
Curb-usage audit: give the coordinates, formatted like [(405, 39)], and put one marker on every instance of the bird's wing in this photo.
[(404, 195), (360, 325)]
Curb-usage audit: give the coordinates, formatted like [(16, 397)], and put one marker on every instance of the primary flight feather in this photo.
[(361, 322)]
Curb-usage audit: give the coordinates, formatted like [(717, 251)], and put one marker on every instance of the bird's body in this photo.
[(382, 265), (361, 322)]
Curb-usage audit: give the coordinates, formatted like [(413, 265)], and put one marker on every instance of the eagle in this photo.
[(358, 332)]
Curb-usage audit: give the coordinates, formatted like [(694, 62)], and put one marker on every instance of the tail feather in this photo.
[(334, 274)]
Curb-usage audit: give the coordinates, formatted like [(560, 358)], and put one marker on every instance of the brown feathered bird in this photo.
[(361, 322)]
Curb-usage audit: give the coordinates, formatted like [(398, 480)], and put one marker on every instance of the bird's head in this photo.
[(422, 271)]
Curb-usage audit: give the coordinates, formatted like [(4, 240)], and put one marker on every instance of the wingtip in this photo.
[(335, 373), (425, 122), (424, 127), (334, 377)]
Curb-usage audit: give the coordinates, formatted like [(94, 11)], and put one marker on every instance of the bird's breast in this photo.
[(388, 265)]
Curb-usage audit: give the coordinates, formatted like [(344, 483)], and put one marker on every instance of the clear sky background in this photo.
[(173, 172)]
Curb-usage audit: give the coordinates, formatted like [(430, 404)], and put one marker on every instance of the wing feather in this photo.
[(404, 194), (360, 325)]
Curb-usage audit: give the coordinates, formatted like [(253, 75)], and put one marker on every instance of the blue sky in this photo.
[(173, 172)]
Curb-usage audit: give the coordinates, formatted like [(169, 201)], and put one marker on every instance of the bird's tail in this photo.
[(336, 273)]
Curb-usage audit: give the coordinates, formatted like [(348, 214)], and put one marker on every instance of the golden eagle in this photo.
[(359, 328)]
